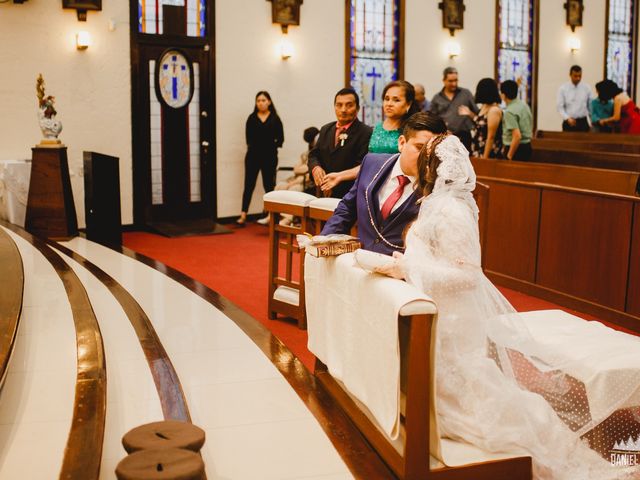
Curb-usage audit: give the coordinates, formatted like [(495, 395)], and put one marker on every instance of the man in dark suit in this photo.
[(383, 200), (341, 146)]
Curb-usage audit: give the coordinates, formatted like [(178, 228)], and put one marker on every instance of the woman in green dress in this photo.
[(398, 104)]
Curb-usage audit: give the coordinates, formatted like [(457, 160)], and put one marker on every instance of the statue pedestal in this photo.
[(50, 208)]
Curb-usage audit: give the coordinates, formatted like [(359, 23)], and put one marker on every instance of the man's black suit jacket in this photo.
[(336, 158)]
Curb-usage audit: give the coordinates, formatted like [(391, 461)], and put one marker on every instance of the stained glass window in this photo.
[(515, 45), (374, 44), (150, 16), (620, 48)]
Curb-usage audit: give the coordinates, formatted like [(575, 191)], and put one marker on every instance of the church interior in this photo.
[(158, 323)]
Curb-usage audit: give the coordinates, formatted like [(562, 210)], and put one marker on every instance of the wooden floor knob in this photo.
[(161, 464), (167, 434)]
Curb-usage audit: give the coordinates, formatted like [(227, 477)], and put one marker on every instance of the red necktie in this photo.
[(339, 131), (394, 197)]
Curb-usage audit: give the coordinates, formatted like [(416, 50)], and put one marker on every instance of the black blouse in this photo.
[(264, 136)]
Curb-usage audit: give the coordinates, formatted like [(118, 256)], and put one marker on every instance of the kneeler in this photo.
[(286, 259), (412, 448)]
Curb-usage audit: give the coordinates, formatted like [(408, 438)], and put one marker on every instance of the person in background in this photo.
[(421, 100), (517, 124), (574, 98), (625, 111), (447, 102), (335, 160), (599, 110), (486, 135), (264, 135), (300, 180), (398, 104)]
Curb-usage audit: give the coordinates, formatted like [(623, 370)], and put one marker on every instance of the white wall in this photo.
[(92, 87), (555, 57), (426, 41), (302, 87)]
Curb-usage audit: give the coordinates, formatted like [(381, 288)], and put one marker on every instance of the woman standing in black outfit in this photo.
[(264, 136)]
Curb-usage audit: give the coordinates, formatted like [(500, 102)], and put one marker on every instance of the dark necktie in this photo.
[(394, 197)]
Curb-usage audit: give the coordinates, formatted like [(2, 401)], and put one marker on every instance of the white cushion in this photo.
[(328, 204), (288, 197), (287, 295), (418, 307)]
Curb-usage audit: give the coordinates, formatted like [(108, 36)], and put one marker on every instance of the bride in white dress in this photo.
[(497, 386)]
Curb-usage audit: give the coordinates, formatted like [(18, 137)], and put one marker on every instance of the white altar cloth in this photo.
[(352, 321), (14, 190)]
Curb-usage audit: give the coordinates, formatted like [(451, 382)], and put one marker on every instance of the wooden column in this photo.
[(50, 208)]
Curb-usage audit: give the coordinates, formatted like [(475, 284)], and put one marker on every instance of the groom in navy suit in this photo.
[(382, 199)]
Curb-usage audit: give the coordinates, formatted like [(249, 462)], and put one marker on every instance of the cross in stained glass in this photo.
[(174, 75), (515, 64), (373, 74)]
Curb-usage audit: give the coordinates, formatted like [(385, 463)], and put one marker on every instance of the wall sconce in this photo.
[(574, 44), (286, 48), (83, 40), (453, 48)]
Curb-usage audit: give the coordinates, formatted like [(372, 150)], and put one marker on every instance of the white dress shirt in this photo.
[(573, 100), (391, 183)]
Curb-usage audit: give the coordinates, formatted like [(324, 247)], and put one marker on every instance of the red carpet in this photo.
[(236, 266)]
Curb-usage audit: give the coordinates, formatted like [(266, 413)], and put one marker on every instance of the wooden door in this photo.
[(173, 111)]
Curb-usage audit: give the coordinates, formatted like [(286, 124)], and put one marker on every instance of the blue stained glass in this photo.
[(620, 43), (515, 49), (203, 9), (374, 44)]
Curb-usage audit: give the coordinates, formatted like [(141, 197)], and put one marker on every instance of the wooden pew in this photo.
[(415, 454), (587, 158), (576, 247), (11, 295), (584, 144), (589, 136), (594, 179)]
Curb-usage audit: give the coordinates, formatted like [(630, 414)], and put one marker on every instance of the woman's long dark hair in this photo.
[(409, 95), (272, 107), (487, 91), (428, 163)]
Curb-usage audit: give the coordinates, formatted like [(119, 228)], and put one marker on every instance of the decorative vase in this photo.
[(51, 127)]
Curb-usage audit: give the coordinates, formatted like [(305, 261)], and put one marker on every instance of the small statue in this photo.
[(50, 126)]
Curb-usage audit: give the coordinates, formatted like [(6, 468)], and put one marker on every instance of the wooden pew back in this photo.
[(584, 144), (593, 179), (589, 136)]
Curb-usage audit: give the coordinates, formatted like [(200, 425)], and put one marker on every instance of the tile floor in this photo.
[(256, 426)]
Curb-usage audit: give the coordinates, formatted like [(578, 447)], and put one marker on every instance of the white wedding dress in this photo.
[(497, 387)]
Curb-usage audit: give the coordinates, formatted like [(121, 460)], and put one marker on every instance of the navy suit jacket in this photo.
[(361, 204)]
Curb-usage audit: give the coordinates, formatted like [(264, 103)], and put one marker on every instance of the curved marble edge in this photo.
[(172, 398), (83, 451), (11, 297), (358, 455)]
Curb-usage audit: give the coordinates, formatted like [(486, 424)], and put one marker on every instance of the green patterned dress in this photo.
[(384, 141)]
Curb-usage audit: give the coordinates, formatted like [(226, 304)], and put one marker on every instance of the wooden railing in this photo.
[(11, 295)]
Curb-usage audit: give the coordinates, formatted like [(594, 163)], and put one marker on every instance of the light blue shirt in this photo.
[(573, 100)]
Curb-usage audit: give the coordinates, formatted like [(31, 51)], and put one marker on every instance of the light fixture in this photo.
[(83, 40), (574, 43), (286, 48), (453, 48)]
